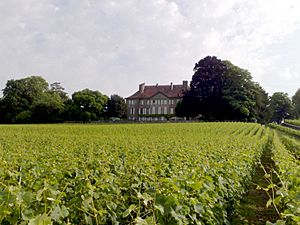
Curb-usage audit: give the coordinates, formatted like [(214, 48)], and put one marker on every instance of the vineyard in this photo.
[(191, 173), (293, 122)]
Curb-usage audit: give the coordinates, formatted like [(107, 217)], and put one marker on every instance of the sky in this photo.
[(113, 46)]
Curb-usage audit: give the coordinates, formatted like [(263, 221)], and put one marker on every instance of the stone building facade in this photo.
[(155, 102)]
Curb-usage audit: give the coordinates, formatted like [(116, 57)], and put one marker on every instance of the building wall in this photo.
[(141, 109)]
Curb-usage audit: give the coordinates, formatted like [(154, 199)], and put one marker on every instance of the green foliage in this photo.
[(261, 111), (126, 174), (88, 105), (23, 117), (116, 107), (60, 90), (206, 88), (247, 99), (292, 145), (286, 130), (238, 91), (293, 122), (28, 88), (296, 102), (281, 107), (288, 195), (18, 96), (222, 91), (47, 108), (29, 100)]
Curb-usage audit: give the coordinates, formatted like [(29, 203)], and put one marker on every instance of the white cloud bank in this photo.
[(112, 46)]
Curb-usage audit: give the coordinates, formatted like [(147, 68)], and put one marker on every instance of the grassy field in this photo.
[(128, 174)]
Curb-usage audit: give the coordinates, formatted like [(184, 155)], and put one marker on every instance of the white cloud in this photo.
[(113, 45), (288, 75)]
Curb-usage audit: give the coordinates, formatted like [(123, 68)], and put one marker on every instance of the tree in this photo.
[(23, 117), (262, 104), (223, 91), (47, 108), (116, 107), (247, 99), (188, 106), (18, 96), (56, 87), (237, 92), (206, 87), (281, 107), (296, 102), (87, 105), (30, 100)]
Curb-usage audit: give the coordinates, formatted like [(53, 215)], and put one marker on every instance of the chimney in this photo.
[(156, 84), (185, 85), (142, 88), (171, 86)]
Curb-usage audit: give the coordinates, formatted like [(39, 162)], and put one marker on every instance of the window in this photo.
[(166, 102), (159, 110), (153, 110), (171, 110), (165, 110), (172, 102), (148, 102), (153, 102), (142, 102)]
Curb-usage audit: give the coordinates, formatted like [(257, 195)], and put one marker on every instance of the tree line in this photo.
[(219, 91), (33, 100)]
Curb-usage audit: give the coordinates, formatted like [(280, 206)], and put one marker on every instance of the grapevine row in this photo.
[(288, 170), (126, 174)]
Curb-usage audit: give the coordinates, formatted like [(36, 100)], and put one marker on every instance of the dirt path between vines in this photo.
[(252, 208)]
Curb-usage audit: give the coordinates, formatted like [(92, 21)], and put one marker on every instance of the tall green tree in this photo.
[(189, 106), (87, 105), (237, 91), (48, 108), (262, 104), (57, 88), (247, 99), (281, 107), (296, 102), (116, 107), (223, 91), (18, 96), (206, 88)]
